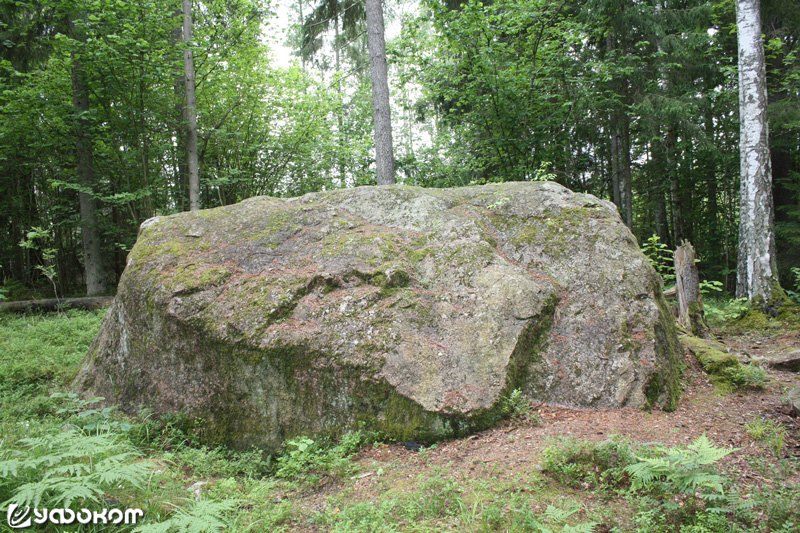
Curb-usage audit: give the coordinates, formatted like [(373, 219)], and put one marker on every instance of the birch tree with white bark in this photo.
[(757, 269)]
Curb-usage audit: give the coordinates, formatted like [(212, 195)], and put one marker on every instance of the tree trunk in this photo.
[(381, 112), (625, 161), (181, 191), (90, 233), (757, 274), (615, 181), (339, 102), (674, 190), (191, 110), (691, 316), (711, 176)]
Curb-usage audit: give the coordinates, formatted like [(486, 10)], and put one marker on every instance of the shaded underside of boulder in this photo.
[(408, 310)]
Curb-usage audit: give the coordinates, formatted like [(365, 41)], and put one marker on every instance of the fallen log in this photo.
[(93, 302)]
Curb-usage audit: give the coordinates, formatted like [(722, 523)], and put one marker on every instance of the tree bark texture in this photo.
[(625, 160), (691, 316), (756, 269), (190, 110), (381, 112), (90, 233)]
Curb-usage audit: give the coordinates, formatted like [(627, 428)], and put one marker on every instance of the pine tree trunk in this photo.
[(691, 316), (616, 190), (381, 112), (191, 110), (625, 160), (711, 177), (757, 274), (674, 190), (179, 89), (90, 233)]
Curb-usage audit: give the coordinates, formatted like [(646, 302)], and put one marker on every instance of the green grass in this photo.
[(39, 354), (767, 431), (584, 464), (56, 448)]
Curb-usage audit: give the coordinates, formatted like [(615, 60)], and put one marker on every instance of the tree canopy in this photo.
[(629, 100)]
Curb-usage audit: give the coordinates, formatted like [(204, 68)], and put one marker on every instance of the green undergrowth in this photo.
[(738, 316), (57, 449)]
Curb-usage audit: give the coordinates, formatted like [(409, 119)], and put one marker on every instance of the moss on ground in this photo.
[(721, 366)]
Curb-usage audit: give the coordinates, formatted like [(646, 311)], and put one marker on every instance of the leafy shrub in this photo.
[(660, 257), (90, 419), (222, 462), (586, 464), (746, 376), (721, 310), (168, 431), (303, 455), (709, 287)]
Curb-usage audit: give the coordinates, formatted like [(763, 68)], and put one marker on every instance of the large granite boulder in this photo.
[(412, 311)]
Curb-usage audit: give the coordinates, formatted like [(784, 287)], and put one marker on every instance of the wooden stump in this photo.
[(691, 316)]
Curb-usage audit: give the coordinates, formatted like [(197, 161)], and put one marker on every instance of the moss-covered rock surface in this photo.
[(408, 310)]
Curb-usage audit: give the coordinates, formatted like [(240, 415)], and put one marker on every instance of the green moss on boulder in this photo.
[(406, 310)]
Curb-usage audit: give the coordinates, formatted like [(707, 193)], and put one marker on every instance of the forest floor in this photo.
[(513, 453), (545, 469)]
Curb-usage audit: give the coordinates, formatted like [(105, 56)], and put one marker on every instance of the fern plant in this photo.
[(685, 473), (685, 469), (554, 521), (201, 516), (66, 467), (516, 404)]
